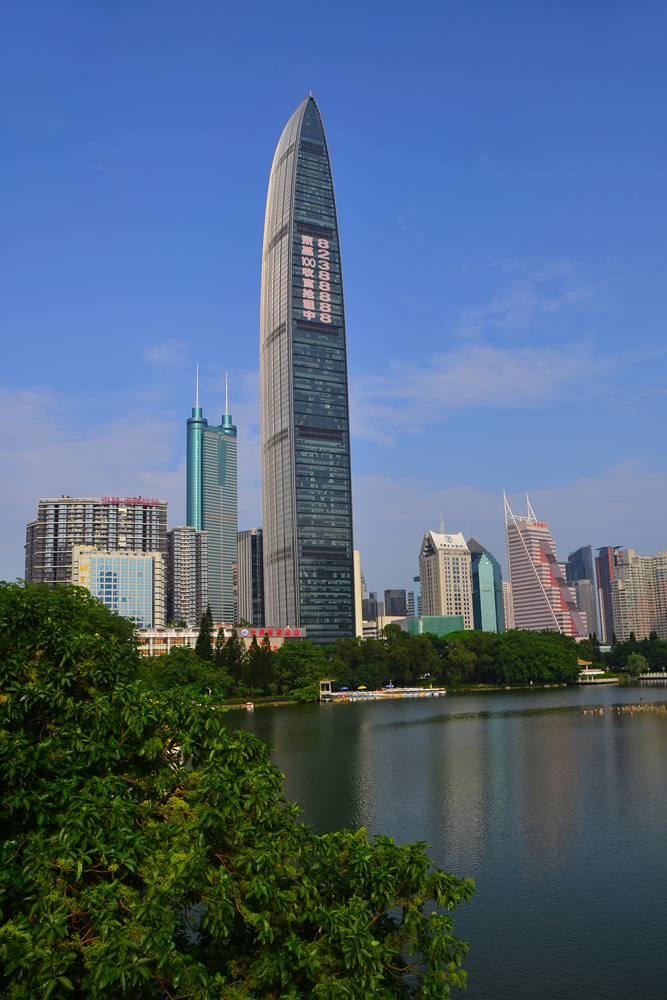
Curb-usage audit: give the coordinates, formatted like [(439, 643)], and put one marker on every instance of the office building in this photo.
[(605, 563), (508, 607), (212, 503), (445, 577), (639, 595), (410, 605), (581, 580), (487, 589), (251, 576), (306, 481), (359, 588), (369, 607), (135, 524), (418, 595), (395, 603), (540, 595), (187, 575), (131, 584)]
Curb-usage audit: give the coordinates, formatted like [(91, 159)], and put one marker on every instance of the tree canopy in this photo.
[(149, 853)]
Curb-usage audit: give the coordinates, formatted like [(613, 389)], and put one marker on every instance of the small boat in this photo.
[(249, 705)]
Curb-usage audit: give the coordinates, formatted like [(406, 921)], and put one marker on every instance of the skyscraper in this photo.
[(605, 563), (540, 594), (445, 577), (395, 603), (137, 524), (581, 580), (251, 576), (212, 503), (306, 481), (187, 575), (487, 589)]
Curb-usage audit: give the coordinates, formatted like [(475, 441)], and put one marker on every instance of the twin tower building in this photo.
[(306, 553)]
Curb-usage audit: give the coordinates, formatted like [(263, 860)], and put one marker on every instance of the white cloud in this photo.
[(532, 301), (168, 354), (416, 395)]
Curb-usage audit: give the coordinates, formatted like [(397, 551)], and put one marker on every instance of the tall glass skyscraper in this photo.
[(212, 504), (306, 487)]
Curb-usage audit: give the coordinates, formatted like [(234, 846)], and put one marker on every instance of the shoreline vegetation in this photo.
[(146, 852), (470, 661)]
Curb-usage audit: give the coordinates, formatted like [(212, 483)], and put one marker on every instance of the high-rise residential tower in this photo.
[(540, 594), (306, 481), (187, 575), (136, 524), (251, 576), (487, 589), (212, 504), (639, 595)]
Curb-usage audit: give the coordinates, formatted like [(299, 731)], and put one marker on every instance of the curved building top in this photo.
[(306, 490)]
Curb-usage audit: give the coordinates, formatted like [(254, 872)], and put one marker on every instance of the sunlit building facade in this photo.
[(639, 595), (187, 575), (137, 524), (212, 505), (541, 597), (445, 577), (306, 481), (131, 584)]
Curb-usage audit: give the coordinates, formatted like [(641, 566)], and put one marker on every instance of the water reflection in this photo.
[(560, 817)]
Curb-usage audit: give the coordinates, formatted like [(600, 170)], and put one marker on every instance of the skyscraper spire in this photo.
[(197, 387), (226, 400), (442, 524)]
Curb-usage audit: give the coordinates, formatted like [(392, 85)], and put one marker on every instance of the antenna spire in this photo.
[(442, 524), (226, 398), (197, 387)]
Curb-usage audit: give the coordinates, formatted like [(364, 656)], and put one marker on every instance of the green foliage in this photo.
[(297, 669), (204, 644), (469, 657), (147, 853), (637, 664), (182, 669), (230, 655), (258, 667), (653, 650)]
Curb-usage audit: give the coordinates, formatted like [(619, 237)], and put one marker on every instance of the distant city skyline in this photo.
[(502, 222)]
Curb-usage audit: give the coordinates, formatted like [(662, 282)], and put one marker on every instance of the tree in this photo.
[(148, 854), (637, 664), (297, 669), (230, 654), (204, 644), (258, 668)]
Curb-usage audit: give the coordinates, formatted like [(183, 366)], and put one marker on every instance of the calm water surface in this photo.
[(559, 816)]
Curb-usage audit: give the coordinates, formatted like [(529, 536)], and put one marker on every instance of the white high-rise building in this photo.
[(508, 607), (445, 576)]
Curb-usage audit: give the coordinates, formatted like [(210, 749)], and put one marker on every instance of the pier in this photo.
[(383, 694)]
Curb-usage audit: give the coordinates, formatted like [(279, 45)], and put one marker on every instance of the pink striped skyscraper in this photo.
[(540, 594)]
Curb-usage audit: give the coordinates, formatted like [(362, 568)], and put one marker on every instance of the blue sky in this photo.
[(500, 178)]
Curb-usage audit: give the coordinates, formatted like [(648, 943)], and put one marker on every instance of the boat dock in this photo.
[(383, 694)]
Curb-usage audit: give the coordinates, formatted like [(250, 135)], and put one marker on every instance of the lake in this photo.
[(558, 813)]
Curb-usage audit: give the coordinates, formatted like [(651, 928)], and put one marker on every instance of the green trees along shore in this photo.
[(148, 852)]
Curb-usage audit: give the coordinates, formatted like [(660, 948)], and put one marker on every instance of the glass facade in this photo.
[(306, 481), (212, 505), (130, 584)]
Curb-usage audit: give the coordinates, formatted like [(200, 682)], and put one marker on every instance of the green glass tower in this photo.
[(306, 479), (212, 504), (487, 589)]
